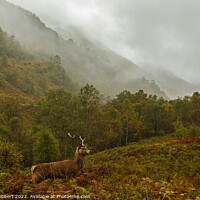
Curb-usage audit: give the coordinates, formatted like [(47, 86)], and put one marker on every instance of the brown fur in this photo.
[(60, 169)]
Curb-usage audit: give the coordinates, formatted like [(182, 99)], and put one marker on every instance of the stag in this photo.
[(62, 169)]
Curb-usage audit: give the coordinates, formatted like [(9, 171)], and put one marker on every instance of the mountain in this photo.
[(85, 61), (173, 85), (24, 78)]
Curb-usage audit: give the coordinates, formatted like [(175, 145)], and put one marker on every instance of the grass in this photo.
[(157, 168)]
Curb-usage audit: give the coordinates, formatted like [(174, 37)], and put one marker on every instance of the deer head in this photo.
[(81, 148)]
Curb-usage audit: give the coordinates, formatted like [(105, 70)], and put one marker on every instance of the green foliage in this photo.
[(10, 107), (125, 119), (89, 101), (14, 122), (15, 183), (89, 95), (42, 82), (181, 133), (4, 130), (46, 147), (161, 132), (194, 131), (10, 158), (113, 127), (55, 112), (27, 86), (4, 60), (129, 120), (196, 116), (125, 95), (11, 77)]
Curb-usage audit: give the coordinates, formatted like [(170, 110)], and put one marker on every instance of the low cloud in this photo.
[(152, 33)]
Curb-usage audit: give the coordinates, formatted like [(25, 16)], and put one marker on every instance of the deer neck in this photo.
[(78, 159)]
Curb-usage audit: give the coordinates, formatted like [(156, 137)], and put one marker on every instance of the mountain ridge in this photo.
[(106, 70), (173, 85)]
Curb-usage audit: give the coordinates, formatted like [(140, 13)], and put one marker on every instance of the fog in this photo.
[(152, 33)]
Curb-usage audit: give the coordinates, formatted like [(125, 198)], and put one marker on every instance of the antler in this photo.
[(82, 140), (73, 137)]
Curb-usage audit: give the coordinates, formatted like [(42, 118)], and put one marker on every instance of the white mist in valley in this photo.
[(153, 34)]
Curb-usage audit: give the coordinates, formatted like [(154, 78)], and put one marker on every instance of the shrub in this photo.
[(4, 130), (161, 132), (4, 60), (181, 132), (12, 77), (10, 158), (14, 122), (194, 131)]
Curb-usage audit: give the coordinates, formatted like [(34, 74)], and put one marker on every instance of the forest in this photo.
[(40, 105)]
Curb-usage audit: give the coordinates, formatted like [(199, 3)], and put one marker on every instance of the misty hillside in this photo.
[(24, 78), (173, 85), (88, 63)]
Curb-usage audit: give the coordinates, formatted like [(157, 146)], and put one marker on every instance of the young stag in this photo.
[(61, 169)]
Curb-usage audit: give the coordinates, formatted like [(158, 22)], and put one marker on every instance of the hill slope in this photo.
[(90, 63), (24, 78), (173, 85), (158, 168)]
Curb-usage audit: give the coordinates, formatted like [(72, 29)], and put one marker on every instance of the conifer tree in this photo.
[(46, 147)]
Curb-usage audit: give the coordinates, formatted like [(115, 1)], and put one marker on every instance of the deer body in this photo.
[(60, 169)]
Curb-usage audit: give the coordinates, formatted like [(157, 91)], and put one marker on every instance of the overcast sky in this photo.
[(152, 33)]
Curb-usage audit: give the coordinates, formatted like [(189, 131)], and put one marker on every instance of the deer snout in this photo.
[(89, 151)]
